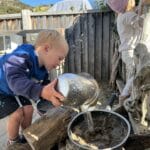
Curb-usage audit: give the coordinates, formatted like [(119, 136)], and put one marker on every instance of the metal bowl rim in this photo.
[(100, 110)]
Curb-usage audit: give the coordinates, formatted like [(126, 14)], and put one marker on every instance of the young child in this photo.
[(21, 75), (129, 26)]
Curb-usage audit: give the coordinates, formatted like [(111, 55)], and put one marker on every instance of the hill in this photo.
[(12, 6)]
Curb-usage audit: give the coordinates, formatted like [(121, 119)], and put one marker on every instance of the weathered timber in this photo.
[(115, 63), (98, 46), (138, 142), (18, 146), (49, 129), (91, 43), (84, 54), (106, 47), (120, 85), (77, 42)]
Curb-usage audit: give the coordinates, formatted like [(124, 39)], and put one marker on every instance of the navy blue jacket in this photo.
[(17, 71)]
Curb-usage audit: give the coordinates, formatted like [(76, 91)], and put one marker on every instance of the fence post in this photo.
[(26, 19)]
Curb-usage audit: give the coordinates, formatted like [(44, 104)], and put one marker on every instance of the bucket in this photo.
[(43, 106), (111, 131)]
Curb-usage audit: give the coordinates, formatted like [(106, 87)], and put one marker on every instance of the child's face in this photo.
[(54, 56)]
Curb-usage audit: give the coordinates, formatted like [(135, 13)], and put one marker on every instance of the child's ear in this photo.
[(47, 47)]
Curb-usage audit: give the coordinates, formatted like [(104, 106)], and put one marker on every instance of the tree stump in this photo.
[(18, 146), (137, 142), (49, 129)]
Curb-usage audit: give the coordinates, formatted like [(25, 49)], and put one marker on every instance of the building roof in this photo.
[(74, 5)]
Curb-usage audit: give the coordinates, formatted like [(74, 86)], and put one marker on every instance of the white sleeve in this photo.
[(131, 18)]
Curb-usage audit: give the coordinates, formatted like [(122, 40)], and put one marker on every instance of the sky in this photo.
[(39, 2)]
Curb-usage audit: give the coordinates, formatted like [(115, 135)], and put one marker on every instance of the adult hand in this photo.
[(49, 93)]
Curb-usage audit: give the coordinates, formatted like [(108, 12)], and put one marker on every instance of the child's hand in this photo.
[(49, 93)]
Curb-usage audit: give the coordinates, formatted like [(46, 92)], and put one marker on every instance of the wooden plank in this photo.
[(4, 25), (112, 49), (67, 12), (66, 63), (63, 21), (123, 75), (77, 41), (39, 23), (18, 146), (18, 22), (98, 47), (26, 19), (137, 142), (84, 54), (115, 65), (34, 23), (10, 16), (44, 22), (70, 56), (120, 85), (55, 21), (106, 44), (8, 25), (49, 129), (59, 22), (49, 22), (68, 20), (91, 43)]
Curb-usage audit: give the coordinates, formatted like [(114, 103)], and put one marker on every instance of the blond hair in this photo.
[(51, 37), (131, 5)]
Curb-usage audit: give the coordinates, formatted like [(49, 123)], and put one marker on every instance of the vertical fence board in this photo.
[(71, 64), (63, 20), (77, 42), (84, 54), (98, 47), (105, 57), (49, 22), (91, 38), (111, 36), (33, 23), (66, 64), (19, 24), (5, 25), (44, 22)]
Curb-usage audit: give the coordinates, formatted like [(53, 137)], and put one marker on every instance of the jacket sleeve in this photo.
[(17, 69)]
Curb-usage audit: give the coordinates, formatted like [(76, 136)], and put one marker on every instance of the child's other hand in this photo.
[(49, 93)]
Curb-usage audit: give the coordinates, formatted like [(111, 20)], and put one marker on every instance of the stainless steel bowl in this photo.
[(77, 89), (111, 131)]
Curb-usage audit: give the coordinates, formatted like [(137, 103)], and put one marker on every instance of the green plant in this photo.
[(101, 4), (72, 8)]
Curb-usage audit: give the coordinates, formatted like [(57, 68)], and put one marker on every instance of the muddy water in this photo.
[(108, 132)]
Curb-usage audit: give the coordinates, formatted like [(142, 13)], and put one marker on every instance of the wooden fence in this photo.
[(89, 34), (91, 44), (27, 20)]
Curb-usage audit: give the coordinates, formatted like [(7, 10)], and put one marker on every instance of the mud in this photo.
[(108, 132)]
